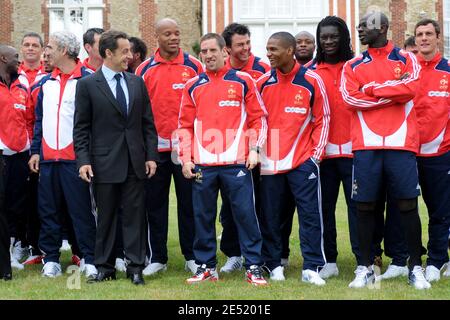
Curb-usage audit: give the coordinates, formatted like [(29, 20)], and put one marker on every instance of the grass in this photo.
[(29, 284)]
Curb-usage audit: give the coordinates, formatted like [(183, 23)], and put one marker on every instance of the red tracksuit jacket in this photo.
[(165, 81), (379, 86), (221, 117), (14, 109), (298, 118), (432, 104)]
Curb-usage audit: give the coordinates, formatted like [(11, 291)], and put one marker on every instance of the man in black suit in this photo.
[(116, 148)]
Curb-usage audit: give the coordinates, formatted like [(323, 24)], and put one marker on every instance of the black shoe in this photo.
[(102, 276), (7, 276), (136, 278)]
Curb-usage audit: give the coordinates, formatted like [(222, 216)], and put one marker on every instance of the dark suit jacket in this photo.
[(104, 138)]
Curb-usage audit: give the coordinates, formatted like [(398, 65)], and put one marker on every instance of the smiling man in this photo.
[(115, 144), (165, 75), (378, 87), (298, 125), (222, 125), (433, 160), (31, 69)]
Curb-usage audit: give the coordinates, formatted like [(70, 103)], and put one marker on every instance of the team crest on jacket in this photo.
[(185, 76), (398, 71), (443, 83), (298, 99), (232, 92)]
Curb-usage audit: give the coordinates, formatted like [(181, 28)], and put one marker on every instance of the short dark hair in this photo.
[(409, 42), (232, 29), (287, 39), (220, 40), (108, 40), (427, 21), (139, 46), (33, 35), (88, 36)]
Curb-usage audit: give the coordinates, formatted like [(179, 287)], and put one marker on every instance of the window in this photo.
[(446, 28), (76, 16), (264, 17)]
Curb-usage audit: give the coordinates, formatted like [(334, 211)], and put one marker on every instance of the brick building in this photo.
[(137, 17)]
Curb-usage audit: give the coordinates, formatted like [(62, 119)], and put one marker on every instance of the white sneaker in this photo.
[(432, 274), (329, 270), (51, 270), (16, 264), (154, 268), (18, 252), (82, 265), (121, 265), (232, 264), (65, 246), (394, 271), (284, 262), (364, 276), (191, 266), (277, 274), (447, 272), (417, 279), (312, 277), (90, 271)]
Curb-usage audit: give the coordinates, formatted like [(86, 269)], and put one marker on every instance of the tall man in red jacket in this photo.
[(165, 75), (298, 123), (222, 124), (378, 87), (241, 58), (432, 104)]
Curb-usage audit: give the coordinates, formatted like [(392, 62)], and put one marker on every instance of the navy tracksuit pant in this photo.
[(157, 206), (229, 242), (305, 186), (16, 174), (236, 183), (59, 181), (434, 178)]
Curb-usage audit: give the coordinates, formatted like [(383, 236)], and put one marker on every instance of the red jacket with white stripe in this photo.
[(28, 77), (14, 127), (221, 117), (298, 118), (55, 109), (87, 65), (379, 86), (339, 139), (254, 67), (432, 104), (165, 81)]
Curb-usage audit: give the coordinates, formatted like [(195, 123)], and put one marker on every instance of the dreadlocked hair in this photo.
[(345, 51)]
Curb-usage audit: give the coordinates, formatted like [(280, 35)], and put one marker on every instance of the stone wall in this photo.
[(26, 17)]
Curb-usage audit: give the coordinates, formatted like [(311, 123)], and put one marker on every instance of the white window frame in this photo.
[(66, 7), (294, 21)]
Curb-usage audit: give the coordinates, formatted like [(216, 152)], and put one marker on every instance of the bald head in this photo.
[(9, 59), (305, 34), (165, 23), (376, 19), (168, 38), (305, 47)]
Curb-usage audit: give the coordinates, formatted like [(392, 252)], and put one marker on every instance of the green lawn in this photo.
[(29, 284)]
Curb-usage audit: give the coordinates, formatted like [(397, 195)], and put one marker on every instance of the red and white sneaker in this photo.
[(76, 260), (33, 260), (203, 274), (255, 277)]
